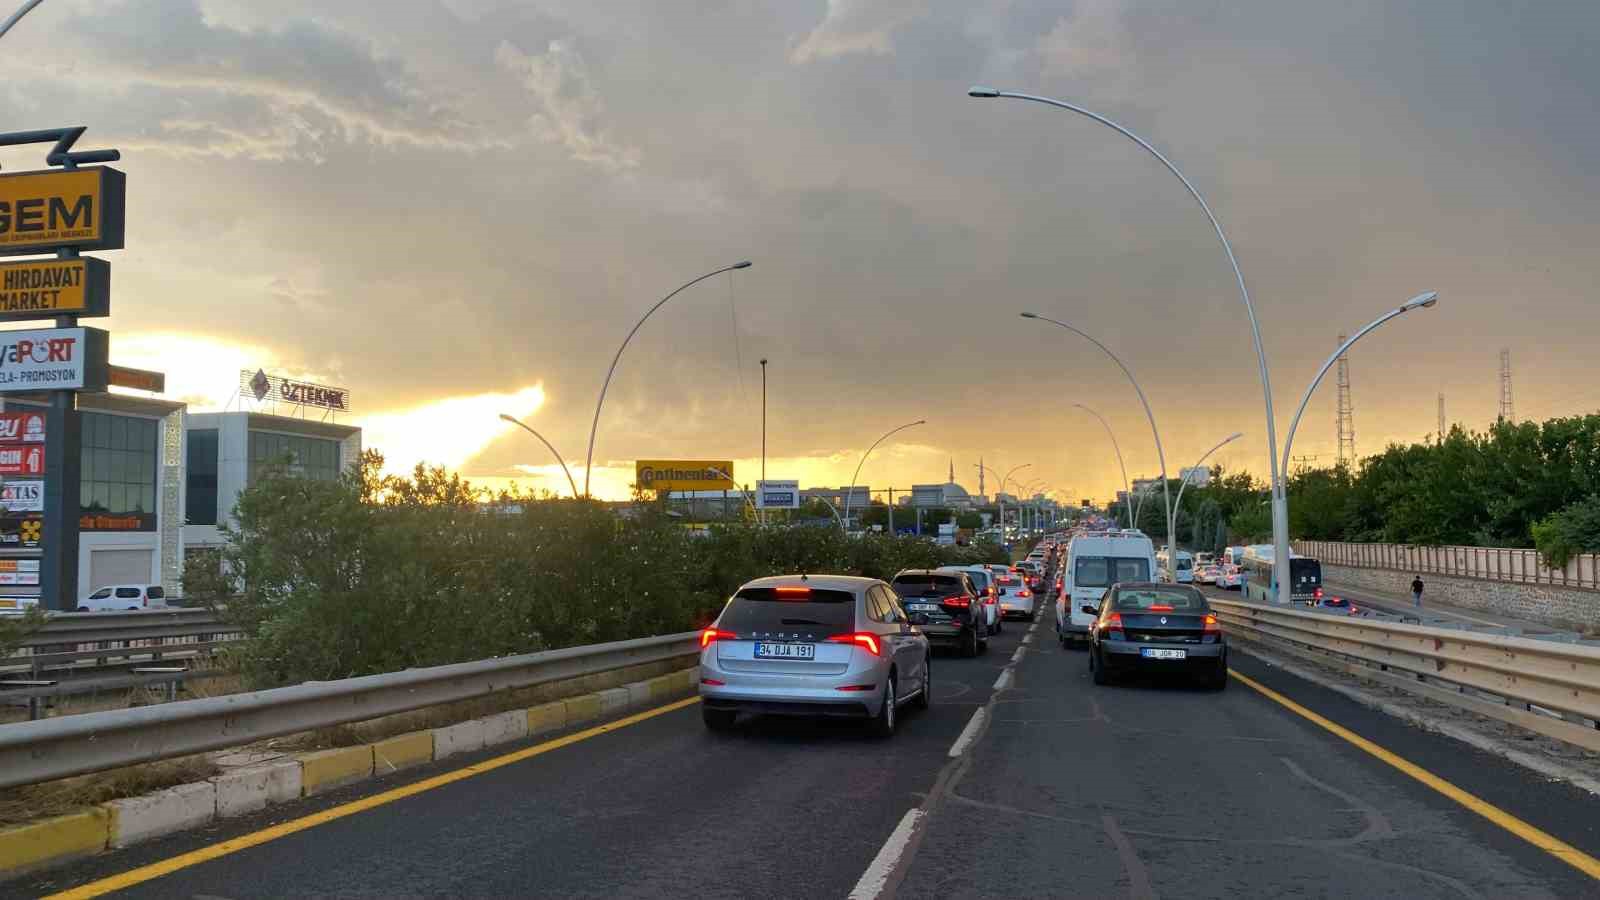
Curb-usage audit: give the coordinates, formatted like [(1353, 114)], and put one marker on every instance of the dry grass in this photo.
[(201, 684), (55, 798)]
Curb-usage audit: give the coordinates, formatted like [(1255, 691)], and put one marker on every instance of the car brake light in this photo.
[(792, 591), (1209, 624), (713, 682), (962, 601), (1160, 608), (1024, 593), (1113, 627), (1317, 593), (855, 687), (713, 634), (862, 639), (989, 600)]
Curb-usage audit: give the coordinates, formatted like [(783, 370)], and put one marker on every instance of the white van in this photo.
[(1095, 561), (1184, 574), (124, 597)]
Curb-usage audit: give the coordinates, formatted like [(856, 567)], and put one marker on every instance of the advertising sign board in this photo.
[(19, 572), (21, 459), (53, 359), (21, 427), (301, 393), (22, 496), (47, 210), (41, 288), (21, 530), (684, 475), (137, 379), (777, 495)]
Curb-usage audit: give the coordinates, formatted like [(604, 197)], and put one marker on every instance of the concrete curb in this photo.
[(1546, 767), (119, 823)]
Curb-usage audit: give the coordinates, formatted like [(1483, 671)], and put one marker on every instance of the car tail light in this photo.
[(1209, 624), (961, 602), (1113, 627), (855, 687), (1317, 593), (713, 682), (713, 634), (989, 600), (862, 639), (1024, 593)]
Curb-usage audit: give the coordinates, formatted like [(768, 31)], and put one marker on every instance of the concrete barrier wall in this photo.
[(1565, 608)]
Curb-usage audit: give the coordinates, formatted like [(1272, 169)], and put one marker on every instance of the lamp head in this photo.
[(978, 91), (741, 265), (1423, 301), (506, 418), (1029, 315), (1235, 436)]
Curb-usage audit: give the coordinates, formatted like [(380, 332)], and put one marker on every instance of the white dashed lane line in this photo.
[(877, 874), (1003, 682), (970, 733)]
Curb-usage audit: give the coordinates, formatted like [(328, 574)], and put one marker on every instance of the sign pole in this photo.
[(63, 471)]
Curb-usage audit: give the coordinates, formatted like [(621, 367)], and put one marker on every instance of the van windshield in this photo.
[(1104, 571)]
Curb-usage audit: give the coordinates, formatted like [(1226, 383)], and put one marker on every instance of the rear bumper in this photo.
[(847, 709), (1126, 655), (945, 635)]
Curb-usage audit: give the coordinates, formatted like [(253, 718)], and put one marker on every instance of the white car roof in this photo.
[(852, 583)]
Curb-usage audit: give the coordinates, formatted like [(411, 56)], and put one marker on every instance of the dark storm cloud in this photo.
[(474, 196)]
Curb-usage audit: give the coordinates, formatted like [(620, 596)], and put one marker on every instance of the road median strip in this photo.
[(119, 823)]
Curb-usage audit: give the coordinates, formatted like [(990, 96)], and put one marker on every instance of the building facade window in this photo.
[(118, 481), (201, 464), (307, 457)]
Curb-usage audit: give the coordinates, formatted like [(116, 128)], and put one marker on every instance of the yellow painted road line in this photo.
[(1549, 843), (243, 842)]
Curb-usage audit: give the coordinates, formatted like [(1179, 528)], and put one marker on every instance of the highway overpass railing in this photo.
[(48, 749), (1492, 563), (73, 642), (1551, 687)]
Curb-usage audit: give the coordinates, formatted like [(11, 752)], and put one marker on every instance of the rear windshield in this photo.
[(764, 609), (1185, 564), (928, 585), (979, 579), (156, 593), (1104, 571), (1144, 598)]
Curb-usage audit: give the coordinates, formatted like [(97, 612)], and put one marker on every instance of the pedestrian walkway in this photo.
[(1399, 602)]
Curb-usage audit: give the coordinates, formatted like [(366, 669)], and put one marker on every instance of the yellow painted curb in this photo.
[(402, 752), (584, 708), (53, 840), (328, 769), (547, 717), (663, 686)]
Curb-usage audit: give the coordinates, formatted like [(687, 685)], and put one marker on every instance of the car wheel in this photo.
[(969, 645), (1218, 680), (1098, 667), (883, 725), (718, 719), (925, 697), (83, 609)]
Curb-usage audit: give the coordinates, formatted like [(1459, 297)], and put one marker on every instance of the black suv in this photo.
[(945, 606)]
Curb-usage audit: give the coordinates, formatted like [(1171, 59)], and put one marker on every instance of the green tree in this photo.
[(1565, 534)]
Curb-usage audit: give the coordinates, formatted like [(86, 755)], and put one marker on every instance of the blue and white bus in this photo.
[(1305, 576)]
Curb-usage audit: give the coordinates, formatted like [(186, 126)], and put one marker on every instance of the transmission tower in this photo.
[(1440, 433), (1346, 423), (1507, 411)]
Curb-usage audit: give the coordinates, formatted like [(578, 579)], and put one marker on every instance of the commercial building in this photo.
[(226, 452), (1196, 476)]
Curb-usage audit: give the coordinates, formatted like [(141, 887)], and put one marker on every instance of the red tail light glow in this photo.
[(713, 634), (713, 682), (1024, 593), (1114, 625), (962, 601), (1159, 607), (862, 639), (1317, 593), (1209, 624), (855, 687), (792, 591)]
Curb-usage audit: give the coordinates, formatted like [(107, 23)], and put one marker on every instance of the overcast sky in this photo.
[(459, 208)]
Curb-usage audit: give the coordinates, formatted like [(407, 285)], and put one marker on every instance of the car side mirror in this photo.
[(918, 618), (1086, 609)]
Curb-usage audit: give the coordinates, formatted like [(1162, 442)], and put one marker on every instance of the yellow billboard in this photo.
[(42, 288), (56, 208), (684, 475)]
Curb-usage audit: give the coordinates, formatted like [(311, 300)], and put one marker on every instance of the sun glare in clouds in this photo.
[(445, 432), (201, 371)]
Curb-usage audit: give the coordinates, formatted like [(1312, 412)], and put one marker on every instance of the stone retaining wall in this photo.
[(1567, 608)]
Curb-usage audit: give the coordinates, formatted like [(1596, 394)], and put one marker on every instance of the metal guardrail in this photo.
[(73, 745), (100, 638), (1556, 677), (1511, 564)]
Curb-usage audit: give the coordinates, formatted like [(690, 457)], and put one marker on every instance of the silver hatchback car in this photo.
[(813, 645)]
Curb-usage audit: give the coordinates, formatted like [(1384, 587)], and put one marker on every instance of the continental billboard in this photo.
[(42, 288), (80, 208), (684, 475)]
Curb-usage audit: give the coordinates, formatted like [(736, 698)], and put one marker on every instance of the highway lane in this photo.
[(1144, 789)]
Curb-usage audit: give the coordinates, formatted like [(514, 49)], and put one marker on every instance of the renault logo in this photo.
[(1163, 620)]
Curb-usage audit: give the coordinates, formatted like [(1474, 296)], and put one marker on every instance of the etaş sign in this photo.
[(22, 496)]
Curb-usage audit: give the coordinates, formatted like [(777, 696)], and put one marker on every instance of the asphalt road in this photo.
[(1145, 789)]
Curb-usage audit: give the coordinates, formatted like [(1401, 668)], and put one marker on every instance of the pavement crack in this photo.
[(1138, 876), (1378, 826)]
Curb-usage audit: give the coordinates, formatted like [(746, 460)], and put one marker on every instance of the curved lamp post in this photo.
[(1126, 490), (549, 446), (844, 523), (747, 498), (1280, 512), (17, 16), (1184, 482), (1002, 489), (1161, 457), (588, 460)]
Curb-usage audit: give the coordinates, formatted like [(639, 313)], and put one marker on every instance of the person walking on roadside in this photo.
[(1416, 590)]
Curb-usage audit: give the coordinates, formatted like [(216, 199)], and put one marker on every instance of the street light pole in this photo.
[(17, 16), (588, 461), (1280, 517), (1161, 457), (1280, 540), (549, 446), (1184, 482), (763, 486), (844, 523), (1127, 491)]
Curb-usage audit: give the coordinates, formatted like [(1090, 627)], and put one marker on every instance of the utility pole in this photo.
[(763, 437), (1346, 417), (1507, 410), (1441, 432), (891, 512)]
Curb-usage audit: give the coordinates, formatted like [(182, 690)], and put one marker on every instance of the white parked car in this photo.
[(124, 597)]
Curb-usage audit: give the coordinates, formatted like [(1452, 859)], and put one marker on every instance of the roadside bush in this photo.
[(1565, 534)]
